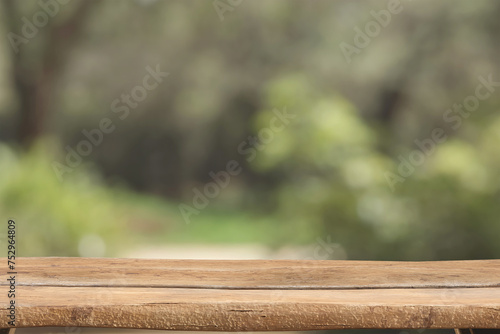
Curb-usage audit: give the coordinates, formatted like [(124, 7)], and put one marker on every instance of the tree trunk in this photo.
[(35, 86)]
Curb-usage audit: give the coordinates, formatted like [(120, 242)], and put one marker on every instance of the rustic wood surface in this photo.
[(254, 295)]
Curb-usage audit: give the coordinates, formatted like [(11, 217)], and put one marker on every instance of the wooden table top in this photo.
[(253, 295)]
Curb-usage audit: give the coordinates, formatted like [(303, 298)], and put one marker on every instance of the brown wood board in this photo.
[(253, 295)]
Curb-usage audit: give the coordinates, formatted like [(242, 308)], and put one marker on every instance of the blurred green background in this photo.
[(340, 119)]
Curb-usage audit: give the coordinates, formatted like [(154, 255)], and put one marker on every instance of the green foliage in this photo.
[(323, 174), (333, 182), (53, 216)]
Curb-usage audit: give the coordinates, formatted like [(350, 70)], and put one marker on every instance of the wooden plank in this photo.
[(257, 310), (255, 295), (256, 274)]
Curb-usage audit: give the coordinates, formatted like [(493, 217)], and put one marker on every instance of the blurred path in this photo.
[(231, 252)]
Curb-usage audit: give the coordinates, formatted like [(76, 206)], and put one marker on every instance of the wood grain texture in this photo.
[(254, 295)]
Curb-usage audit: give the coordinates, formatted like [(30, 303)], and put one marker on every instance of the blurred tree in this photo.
[(324, 174), (36, 67)]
